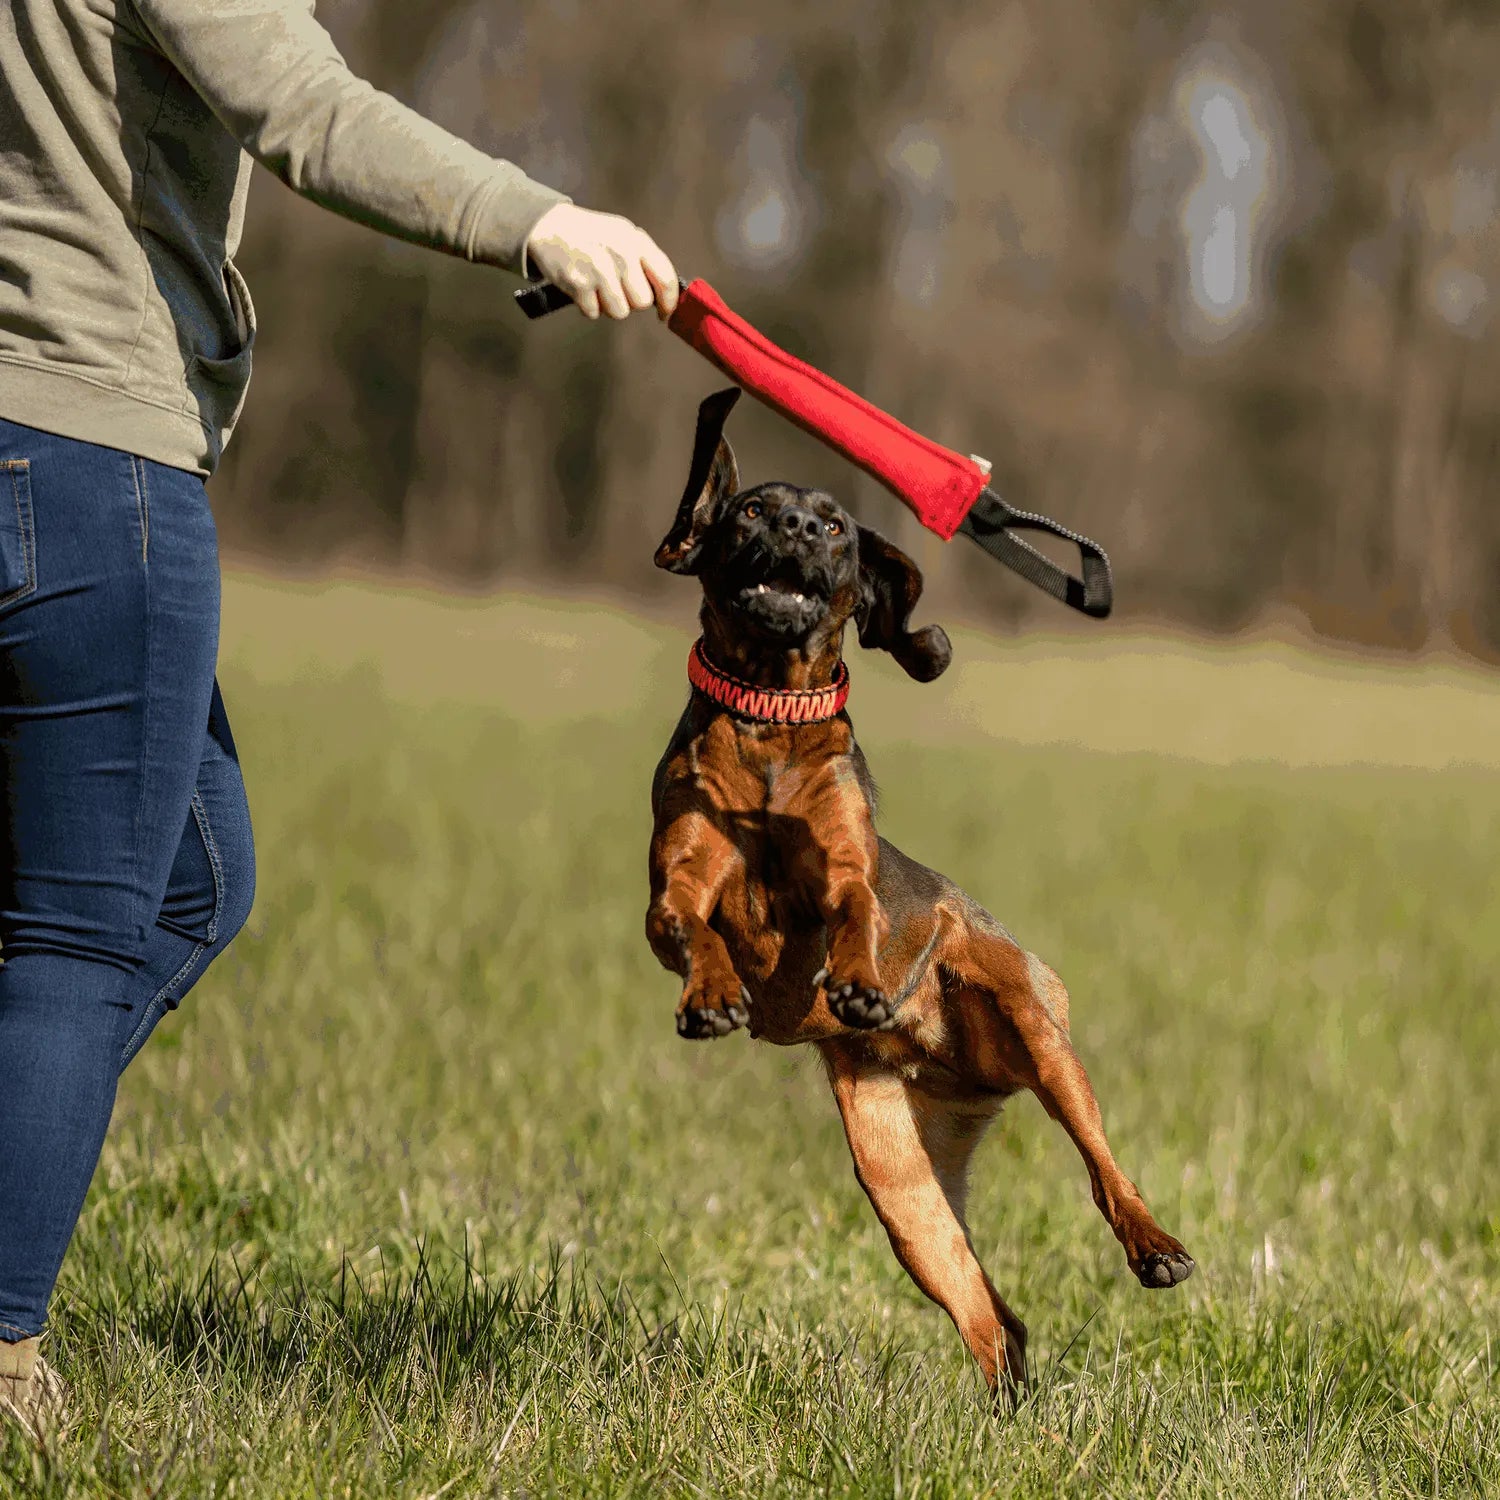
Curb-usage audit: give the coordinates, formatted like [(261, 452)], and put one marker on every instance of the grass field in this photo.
[(421, 1195)]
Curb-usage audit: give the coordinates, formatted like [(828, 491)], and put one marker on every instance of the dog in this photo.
[(781, 909)]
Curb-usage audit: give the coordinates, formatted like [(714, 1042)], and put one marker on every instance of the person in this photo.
[(127, 129)]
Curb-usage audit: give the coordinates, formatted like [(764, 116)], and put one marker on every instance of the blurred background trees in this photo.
[(1215, 283)]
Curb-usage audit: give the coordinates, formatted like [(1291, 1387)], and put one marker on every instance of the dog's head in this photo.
[(789, 567)]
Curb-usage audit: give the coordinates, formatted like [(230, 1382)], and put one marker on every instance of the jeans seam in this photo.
[(142, 502), (146, 716), (25, 525), (216, 864), (215, 860)]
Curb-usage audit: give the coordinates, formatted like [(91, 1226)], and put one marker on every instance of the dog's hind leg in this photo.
[(911, 1154), (1014, 1013)]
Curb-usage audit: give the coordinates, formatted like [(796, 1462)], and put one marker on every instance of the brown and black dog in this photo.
[(779, 906)]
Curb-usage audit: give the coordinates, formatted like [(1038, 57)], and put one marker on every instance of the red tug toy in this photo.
[(948, 492)]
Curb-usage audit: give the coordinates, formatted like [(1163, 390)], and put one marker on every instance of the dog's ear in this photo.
[(713, 475), (889, 586)]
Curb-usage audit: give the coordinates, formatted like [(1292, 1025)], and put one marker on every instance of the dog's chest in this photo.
[(767, 899), (769, 919), (778, 797)]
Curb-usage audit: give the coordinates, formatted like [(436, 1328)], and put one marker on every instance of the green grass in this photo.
[(421, 1195)]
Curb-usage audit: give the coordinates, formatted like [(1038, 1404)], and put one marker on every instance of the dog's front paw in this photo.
[(862, 1006), (704, 1012)]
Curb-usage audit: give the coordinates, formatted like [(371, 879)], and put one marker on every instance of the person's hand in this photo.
[(602, 261)]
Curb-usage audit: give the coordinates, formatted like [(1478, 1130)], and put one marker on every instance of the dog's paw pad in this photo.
[(699, 1022), (697, 1025), (864, 1009), (1158, 1271)]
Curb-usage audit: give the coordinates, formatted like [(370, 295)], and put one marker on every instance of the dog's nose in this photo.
[(797, 522)]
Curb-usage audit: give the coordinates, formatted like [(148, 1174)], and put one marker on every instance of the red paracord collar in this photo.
[(768, 705)]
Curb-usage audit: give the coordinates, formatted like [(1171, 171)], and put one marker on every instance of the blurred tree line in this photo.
[(1214, 283)]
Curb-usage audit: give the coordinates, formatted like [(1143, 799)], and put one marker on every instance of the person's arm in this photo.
[(273, 76)]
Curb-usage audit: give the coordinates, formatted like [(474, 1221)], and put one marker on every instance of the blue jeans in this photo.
[(126, 862)]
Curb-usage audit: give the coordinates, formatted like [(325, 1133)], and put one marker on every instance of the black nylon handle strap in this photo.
[(990, 522), (541, 298)]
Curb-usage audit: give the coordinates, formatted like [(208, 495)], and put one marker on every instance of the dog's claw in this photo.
[(1158, 1271), (864, 1009), (821, 977)]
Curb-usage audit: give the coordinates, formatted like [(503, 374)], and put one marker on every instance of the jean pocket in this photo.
[(17, 531)]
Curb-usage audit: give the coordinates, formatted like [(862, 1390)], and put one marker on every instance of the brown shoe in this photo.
[(32, 1393)]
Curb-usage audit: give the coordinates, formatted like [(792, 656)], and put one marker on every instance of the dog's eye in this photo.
[(835, 528), (753, 509)]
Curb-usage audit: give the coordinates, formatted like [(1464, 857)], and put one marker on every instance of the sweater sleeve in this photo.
[(278, 83)]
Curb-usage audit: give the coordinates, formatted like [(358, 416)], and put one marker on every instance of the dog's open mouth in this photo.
[(783, 603), (778, 587)]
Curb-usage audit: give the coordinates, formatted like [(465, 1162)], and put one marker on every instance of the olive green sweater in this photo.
[(123, 131)]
